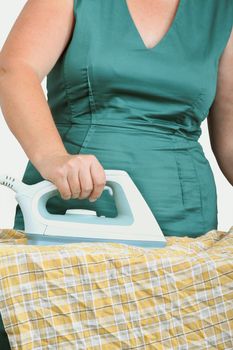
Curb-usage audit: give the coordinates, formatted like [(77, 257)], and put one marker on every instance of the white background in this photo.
[(13, 159)]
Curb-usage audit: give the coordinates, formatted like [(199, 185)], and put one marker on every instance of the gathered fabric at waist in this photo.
[(134, 120), (125, 136)]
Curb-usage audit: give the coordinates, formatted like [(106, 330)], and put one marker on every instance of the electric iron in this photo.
[(134, 224)]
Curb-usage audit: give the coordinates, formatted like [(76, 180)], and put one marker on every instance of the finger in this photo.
[(74, 183), (86, 184), (63, 187), (99, 180)]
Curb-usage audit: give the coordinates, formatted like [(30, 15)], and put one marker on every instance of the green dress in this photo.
[(140, 109)]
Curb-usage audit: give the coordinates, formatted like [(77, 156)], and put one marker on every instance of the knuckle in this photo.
[(92, 157), (99, 183), (78, 157), (95, 194), (71, 164), (97, 191), (60, 172), (75, 193), (87, 189), (65, 194)]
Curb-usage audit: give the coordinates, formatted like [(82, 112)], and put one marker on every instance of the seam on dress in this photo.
[(193, 106), (66, 85), (92, 110), (199, 186), (91, 95), (64, 71), (203, 112), (66, 125), (190, 109), (190, 112), (179, 176)]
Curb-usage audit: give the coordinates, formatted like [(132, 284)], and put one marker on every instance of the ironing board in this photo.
[(180, 295)]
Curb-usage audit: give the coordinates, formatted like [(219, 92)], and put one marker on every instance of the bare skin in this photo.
[(145, 16), (220, 118), (29, 54)]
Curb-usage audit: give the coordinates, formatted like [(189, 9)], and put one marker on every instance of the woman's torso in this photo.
[(140, 109)]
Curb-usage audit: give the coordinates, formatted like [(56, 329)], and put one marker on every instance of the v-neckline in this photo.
[(165, 36)]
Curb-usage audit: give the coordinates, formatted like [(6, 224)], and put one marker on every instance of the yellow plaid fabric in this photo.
[(112, 296)]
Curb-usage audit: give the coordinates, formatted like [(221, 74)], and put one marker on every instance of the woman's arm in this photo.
[(220, 118), (35, 42)]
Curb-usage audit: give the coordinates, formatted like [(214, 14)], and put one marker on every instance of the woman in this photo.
[(128, 87)]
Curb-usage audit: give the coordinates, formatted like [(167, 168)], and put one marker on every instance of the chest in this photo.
[(151, 19), (159, 57)]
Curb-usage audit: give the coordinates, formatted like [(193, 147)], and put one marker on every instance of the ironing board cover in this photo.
[(113, 296)]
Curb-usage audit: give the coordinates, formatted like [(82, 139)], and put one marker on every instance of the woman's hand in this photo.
[(76, 176)]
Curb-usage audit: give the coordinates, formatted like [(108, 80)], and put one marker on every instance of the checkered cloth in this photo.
[(112, 296)]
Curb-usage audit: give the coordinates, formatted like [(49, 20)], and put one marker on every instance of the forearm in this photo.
[(27, 113)]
